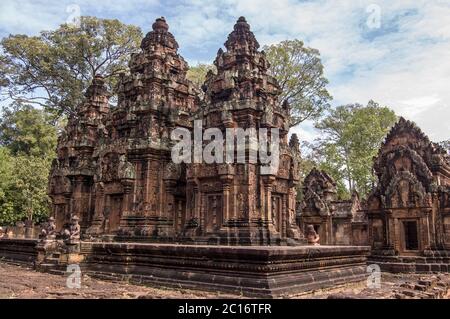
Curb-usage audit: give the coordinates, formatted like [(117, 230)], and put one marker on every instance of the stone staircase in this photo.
[(52, 264)]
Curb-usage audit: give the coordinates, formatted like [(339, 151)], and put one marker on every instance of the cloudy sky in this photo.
[(396, 52)]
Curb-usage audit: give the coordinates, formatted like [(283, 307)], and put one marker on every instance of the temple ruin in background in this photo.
[(337, 222)]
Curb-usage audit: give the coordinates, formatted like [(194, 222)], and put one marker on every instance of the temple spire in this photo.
[(241, 38), (160, 25), (159, 36)]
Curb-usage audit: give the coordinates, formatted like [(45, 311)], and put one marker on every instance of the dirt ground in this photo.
[(21, 282), (24, 283)]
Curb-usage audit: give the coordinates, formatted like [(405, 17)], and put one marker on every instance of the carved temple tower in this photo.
[(136, 181), (115, 168), (235, 203), (409, 210), (72, 176)]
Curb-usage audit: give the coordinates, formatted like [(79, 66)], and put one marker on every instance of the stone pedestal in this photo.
[(265, 272)]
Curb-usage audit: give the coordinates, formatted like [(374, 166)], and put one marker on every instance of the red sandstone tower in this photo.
[(136, 179), (71, 184), (234, 203)]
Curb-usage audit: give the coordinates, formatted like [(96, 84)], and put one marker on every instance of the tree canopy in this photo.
[(27, 148), (197, 74), (54, 69), (300, 74), (350, 137), (25, 130)]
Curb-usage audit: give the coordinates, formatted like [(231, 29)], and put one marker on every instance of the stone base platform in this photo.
[(435, 261), (248, 271), (253, 271), (20, 251)]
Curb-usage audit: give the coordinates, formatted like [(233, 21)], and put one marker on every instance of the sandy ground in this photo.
[(21, 282)]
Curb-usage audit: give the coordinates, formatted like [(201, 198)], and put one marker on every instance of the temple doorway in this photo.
[(410, 231)]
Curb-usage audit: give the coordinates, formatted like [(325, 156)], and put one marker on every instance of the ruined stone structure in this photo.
[(238, 203), (71, 185), (124, 209), (135, 180), (409, 210), (114, 167), (337, 222)]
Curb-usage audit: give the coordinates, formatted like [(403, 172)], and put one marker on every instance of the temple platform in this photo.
[(435, 261), (18, 251), (252, 271)]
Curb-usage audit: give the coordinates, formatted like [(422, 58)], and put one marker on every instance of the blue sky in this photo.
[(395, 52)]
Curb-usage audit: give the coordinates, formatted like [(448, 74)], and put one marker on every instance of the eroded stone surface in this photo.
[(409, 209), (43, 285), (337, 222), (114, 167)]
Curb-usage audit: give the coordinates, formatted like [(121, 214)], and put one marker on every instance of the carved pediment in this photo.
[(319, 182), (314, 205), (404, 159), (406, 191)]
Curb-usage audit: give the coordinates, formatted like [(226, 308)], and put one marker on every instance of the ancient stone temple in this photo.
[(71, 184), (409, 210), (130, 186), (124, 207), (135, 180), (337, 222), (237, 202)]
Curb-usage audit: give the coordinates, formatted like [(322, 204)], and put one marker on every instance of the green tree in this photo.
[(25, 193), (25, 130), (197, 74), (6, 176), (53, 70), (300, 74), (27, 148), (351, 137)]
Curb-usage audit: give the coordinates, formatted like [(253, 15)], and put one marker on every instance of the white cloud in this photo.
[(404, 64)]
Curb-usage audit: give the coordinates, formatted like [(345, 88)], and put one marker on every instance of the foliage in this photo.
[(25, 192), (53, 70), (197, 74), (27, 148), (27, 131), (351, 137), (300, 74)]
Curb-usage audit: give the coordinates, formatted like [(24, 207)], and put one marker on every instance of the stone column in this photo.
[(285, 216), (396, 234), (169, 199), (226, 173), (267, 206)]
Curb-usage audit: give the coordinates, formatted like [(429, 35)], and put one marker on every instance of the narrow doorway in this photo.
[(411, 235)]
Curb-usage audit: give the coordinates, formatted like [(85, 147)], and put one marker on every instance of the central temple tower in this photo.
[(235, 203)]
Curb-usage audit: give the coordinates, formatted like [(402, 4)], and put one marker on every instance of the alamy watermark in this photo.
[(74, 279), (238, 146), (374, 19), (374, 279), (74, 18)]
